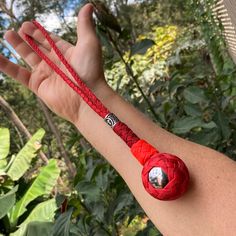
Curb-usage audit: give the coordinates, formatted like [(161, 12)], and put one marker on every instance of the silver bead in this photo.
[(157, 177), (111, 120)]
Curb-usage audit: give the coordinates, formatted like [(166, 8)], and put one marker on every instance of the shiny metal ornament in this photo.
[(111, 120), (157, 178)]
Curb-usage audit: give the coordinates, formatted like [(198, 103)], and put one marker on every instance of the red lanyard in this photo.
[(164, 176)]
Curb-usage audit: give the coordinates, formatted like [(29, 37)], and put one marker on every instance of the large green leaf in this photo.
[(4, 146), (43, 212), (37, 228), (42, 185), (194, 95), (25, 156), (7, 201), (62, 224)]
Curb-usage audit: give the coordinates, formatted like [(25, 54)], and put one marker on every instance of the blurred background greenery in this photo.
[(168, 58)]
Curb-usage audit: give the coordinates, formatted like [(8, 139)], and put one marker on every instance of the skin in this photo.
[(208, 207)]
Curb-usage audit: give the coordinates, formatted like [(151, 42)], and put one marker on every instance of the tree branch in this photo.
[(18, 123), (129, 71), (55, 131)]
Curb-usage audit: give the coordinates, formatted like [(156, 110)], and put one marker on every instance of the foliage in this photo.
[(37, 228), (7, 201), (43, 212), (42, 185), (4, 147), (100, 201), (146, 67), (23, 159), (13, 204)]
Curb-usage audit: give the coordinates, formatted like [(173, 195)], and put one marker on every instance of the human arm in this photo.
[(199, 211), (208, 208)]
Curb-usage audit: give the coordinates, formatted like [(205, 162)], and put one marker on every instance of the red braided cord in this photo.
[(87, 95), (143, 151), (96, 105), (126, 133), (55, 68), (147, 155)]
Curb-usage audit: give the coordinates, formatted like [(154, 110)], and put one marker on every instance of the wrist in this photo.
[(103, 92)]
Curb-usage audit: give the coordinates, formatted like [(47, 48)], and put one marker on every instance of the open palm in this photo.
[(85, 58)]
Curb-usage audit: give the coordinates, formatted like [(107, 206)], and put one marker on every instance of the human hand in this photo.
[(85, 58)]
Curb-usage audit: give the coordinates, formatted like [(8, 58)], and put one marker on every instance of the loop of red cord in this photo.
[(86, 94)]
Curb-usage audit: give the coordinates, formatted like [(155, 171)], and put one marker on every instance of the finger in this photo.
[(85, 26), (30, 29), (17, 72), (22, 48)]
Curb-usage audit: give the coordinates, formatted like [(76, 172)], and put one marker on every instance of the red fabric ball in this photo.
[(176, 172)]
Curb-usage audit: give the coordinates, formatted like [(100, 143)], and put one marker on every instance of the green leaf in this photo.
[(42, 185), (207, 137), (43, 212), (23, 159), (185, 124), (223, 123), (4, 146), (105, 42), (209, 125), (123, 200), (62, 224), (7, 201), (141, 47), (174, 86), (105, 16), (194, 95), (192, 109), (90, 190), (39, 229), (99, 210)]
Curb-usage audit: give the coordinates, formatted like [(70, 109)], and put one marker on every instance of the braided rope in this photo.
[(96, 104), (143, 151), (147, 155), (126, 133)]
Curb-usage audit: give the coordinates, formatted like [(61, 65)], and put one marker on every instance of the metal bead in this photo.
[(157, 177), (111, 120)]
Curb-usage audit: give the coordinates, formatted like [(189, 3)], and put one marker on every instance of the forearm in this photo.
[(200, 207)]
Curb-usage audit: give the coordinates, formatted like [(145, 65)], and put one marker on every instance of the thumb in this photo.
[(85, 25)]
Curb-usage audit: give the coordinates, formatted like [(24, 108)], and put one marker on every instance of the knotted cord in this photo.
[(164, 175)]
